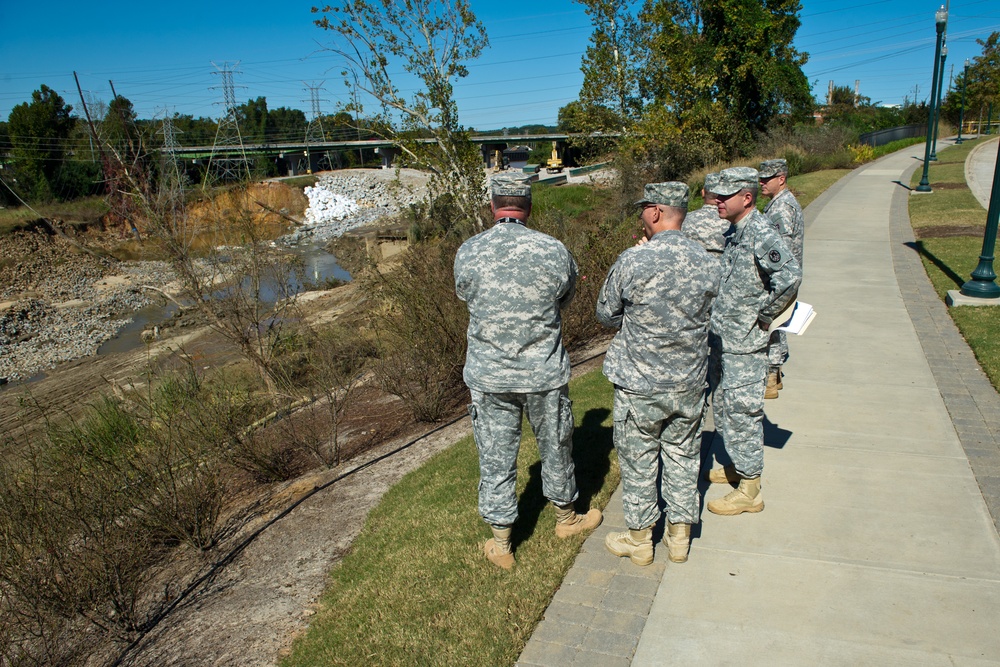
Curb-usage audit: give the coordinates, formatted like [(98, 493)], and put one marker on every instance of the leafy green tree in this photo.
[(39, 133), (610, 98), (285, 125), (983, 84), (119, 128), (432, 40), (193, 131), (759, 71), (252, 118)]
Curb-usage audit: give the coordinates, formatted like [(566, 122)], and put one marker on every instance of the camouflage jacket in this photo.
[(759, 278), (784, 209), (660, 295), (514, 281), (707, 228)]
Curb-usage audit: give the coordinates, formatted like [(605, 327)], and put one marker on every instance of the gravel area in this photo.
[(58, 303)]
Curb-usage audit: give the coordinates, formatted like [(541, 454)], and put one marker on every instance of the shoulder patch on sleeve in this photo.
[(773, 256)]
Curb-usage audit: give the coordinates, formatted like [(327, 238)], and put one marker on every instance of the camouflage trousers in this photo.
[(659, 436), (737, 382), (777, 349), (496, 426)]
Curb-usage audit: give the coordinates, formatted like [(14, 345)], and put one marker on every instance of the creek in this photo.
[(318, 267)]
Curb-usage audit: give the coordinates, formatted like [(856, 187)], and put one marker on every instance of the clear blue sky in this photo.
[(160, 55)]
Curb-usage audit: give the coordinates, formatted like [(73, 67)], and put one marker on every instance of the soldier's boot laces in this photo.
[(678, 540), (771, 390), (569, 523), (636, 544), (726, 475), (744, 498), (498, 549)]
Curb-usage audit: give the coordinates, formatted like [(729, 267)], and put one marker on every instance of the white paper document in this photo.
[(802, 317)]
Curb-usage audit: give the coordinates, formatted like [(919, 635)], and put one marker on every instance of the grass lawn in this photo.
[(949, 261), (85, 209), (951, 203), (806, 187), (416, 588)]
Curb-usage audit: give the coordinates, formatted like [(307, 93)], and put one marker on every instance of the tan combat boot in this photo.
[(678, 541), (568, 522), (771, 390), (780, 375), (498, 549), (636, 544), (744, 498), (726, 475)]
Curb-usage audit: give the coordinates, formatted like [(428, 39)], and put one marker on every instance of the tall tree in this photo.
[(610, 66), (39, 131), (285, 125), (431, 40), (759, 71), (983, 83), (252, 117)]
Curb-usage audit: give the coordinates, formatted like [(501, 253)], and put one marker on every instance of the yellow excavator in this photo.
[(500, 162), (554, 164)]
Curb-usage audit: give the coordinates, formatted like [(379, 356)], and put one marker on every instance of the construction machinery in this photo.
[(554, 165)]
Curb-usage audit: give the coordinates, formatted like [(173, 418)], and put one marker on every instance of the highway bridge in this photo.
[(301, 157)]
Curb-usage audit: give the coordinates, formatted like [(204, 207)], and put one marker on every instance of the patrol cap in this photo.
[(671, 193), (735, 179), (711, 182), (771, 168), (510, 185)]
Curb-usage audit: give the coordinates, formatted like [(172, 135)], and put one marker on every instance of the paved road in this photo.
[(882, 466)]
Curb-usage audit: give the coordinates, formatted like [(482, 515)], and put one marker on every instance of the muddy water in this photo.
[(318, 266)]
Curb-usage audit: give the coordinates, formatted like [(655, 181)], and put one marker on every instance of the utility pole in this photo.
[(229, 156)]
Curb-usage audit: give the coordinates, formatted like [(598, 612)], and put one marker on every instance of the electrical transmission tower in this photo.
[(314, 131), (172, 179), (229, 157)]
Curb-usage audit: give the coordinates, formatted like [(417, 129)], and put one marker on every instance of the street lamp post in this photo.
[(940, 94), (983, 283), (961, 109), (989, 119), (940, 21)]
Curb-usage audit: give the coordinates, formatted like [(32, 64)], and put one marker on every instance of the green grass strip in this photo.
[(949, 261), (416, 588)]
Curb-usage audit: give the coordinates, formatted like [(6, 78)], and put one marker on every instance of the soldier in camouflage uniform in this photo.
[(515, 280), (760, 277), (783, 209), (659, 295), (704, 225)]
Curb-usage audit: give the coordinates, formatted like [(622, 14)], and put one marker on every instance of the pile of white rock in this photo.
[(341, 202)]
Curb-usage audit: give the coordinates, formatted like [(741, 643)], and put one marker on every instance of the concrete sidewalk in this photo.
[(979, 169), (876, 545)]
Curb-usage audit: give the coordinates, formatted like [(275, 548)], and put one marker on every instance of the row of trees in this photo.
[(48, 152), (717, 72), (981, 82)]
